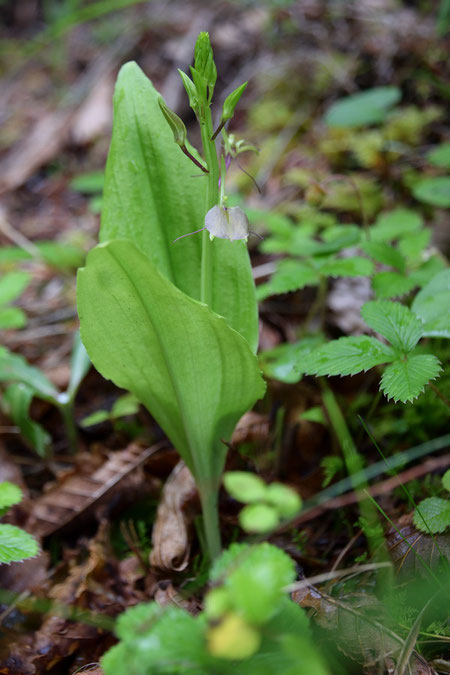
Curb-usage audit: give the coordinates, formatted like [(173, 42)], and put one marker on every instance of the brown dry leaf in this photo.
[(410, 549), (251, 428), (78, 494), (170, 537), (166, 594), (358, 627)]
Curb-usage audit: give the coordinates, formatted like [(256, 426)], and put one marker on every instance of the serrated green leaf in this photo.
[(391, 285), (10, 494), (284, 362), (405, 380), (432, 305), (434, 191), (256, 585), (440, 156), (12, 317), (291, 275), (16, 544), (425, 273), (363, 108), (395, 322), (432, 515), (348, 356), (347, 267), (413, 246), (194, 373), (19, 397), (152, 196), (12, 286), (384, 253), (395, 224)]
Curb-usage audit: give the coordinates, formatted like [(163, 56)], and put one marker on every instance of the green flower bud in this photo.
[(204, 60), (231, 102), (174, 122), (190, 90)]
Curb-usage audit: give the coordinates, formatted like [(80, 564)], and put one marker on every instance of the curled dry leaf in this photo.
[(359, 626), (251, 428), (411, 549), (170, 538)]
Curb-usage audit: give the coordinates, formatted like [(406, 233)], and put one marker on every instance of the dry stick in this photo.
[(439, 394), (17, 237), (379, 489)]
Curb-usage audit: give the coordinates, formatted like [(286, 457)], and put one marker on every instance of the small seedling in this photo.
[(266, 505), (15, 544), (25, 382)]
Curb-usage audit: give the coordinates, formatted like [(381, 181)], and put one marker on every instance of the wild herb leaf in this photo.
[(432, 306), (348, 356), (395, 224), (79, 365), (153, 194), (404, 380), (413, 246), (10, 494), (19, 397), (432, 515), (395, 322), (291, 275), (347, 267), (195, 374), (391, 285), (258, 518), (385, 253), (446, 480), (366, 107), (434, 191), (244, 486), (12, 317), (15, 544)]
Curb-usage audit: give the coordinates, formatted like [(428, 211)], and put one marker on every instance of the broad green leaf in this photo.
[(79, 365), (432, 515), (10, 494), (404, 380), (395, 321), (14, 368), (432, 305), (347, 267), (194, 374), (395, 224), (12, 285), (291, 275), (12, 317), (434, 191), (440, 156), (391, 285), (285, 362), (153, 194), (15, 544), (384, 253), (348, 356), (366, 107), (19, 397)]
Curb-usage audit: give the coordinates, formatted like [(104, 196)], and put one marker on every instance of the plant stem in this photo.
[(354, 464), (208, 498), (67, 413), (212, 198), (438, 393)]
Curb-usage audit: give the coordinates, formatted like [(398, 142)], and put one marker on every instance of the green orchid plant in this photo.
[(174, 322)]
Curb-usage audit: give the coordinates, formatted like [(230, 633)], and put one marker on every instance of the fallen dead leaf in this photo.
[(170, 537)]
